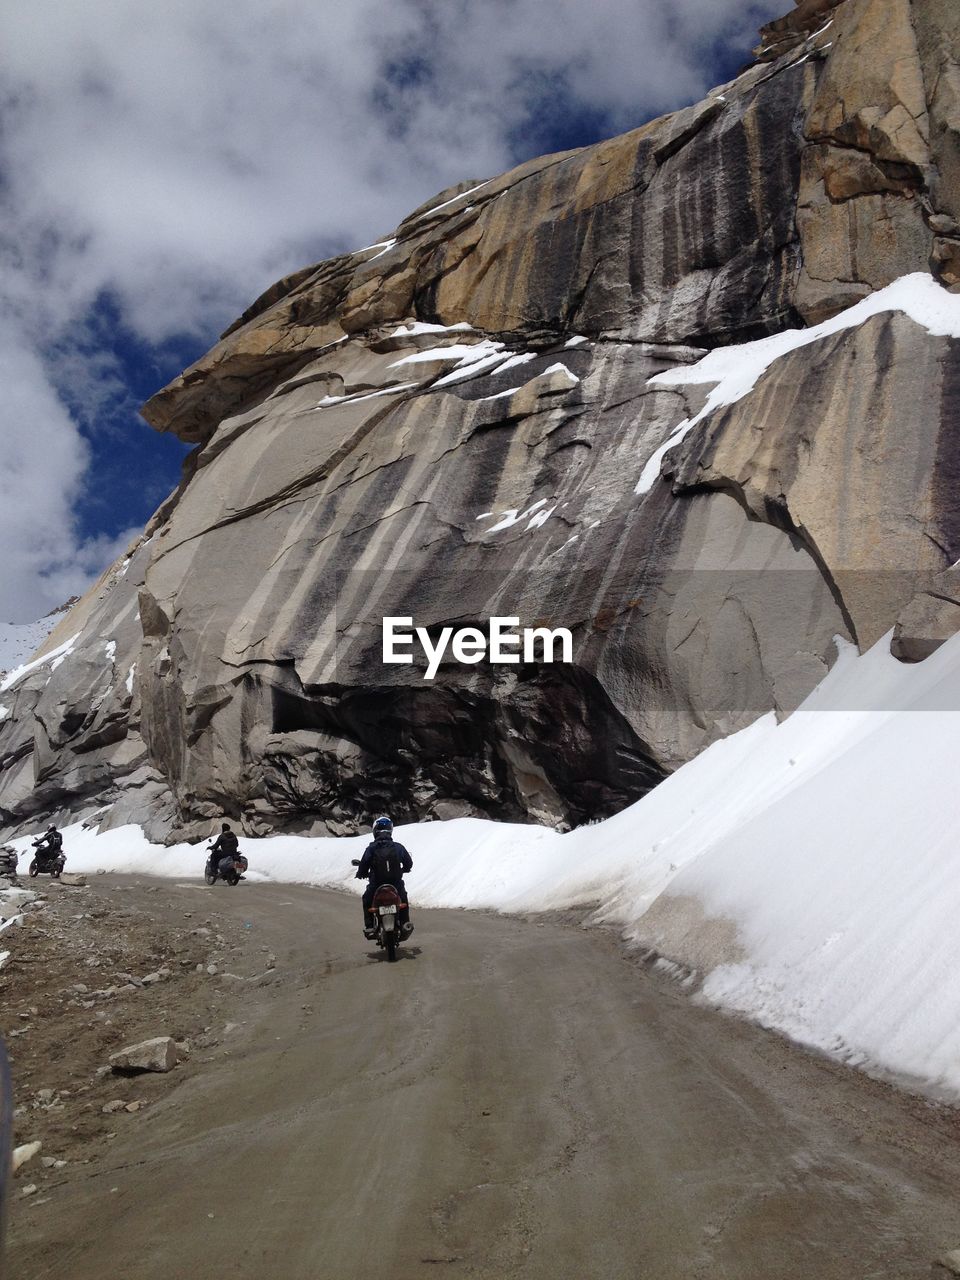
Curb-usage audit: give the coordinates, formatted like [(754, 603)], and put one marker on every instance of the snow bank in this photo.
[(827, 845)]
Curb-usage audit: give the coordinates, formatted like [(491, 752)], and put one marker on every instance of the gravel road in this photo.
[(512, 1098)]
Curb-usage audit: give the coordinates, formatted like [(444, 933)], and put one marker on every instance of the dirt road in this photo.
[(511, 1099)]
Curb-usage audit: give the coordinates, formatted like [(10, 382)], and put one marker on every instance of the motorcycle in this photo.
[(8, 861), (385, 910), (46, 862), (215, 869)]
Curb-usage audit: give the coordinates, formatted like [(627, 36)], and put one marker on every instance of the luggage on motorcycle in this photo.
[(229, 869)]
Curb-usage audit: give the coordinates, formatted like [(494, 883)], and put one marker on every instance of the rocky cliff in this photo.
[(512, 407)]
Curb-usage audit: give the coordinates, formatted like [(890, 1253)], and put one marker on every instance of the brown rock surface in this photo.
[(678, 231), (938, 41), (863, 195), (871, 94), (786, 33)]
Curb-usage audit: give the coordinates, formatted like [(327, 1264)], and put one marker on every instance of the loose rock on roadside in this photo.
[(158, 1054)]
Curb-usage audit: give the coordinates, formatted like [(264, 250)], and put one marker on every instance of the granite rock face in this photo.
[(70, 741), (865, 202), (454, 424), (863, 472), (377, 505)]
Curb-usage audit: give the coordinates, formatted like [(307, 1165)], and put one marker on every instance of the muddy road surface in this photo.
[(512, 1098)]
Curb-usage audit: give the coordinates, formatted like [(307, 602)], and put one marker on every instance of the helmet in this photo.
[(225, 826), (52, 827), (382, 826)]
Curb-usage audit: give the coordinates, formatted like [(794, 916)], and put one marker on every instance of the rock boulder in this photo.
[(158, 1054)]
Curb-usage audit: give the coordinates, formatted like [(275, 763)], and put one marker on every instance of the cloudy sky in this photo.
[(161, 164)]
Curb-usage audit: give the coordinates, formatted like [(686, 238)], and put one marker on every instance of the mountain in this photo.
[(689, 393), (20, 640)]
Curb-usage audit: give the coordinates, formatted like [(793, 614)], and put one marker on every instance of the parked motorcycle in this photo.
[(46, 863), (385, 913), (229, 869)]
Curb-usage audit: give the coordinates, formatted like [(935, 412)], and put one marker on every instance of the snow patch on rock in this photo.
[(735, 370), (54, 658)]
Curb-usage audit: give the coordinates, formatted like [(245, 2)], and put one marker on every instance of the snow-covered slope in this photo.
[(809, 871), (18, 640)]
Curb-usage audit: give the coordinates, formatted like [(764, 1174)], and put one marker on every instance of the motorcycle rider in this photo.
[(225, 846), (385, 861), (49, 846)]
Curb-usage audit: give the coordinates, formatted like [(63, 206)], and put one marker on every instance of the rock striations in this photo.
[(501, 410)]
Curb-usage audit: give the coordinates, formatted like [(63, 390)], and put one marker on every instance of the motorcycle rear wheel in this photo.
[(390, 942)]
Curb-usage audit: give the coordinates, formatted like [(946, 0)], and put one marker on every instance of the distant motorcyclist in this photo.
[(385, 861), (226, 846), (49, 846)]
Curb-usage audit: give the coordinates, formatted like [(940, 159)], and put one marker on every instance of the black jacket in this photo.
[(384, 861), (226, 844)]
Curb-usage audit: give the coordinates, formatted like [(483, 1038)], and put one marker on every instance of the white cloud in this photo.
[(44, 461), (181, 156)]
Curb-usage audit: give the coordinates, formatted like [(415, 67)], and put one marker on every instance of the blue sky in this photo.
[(161, 164)]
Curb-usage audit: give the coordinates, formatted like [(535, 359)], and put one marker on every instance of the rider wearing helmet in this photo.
[(385, 862), (49, 846)]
